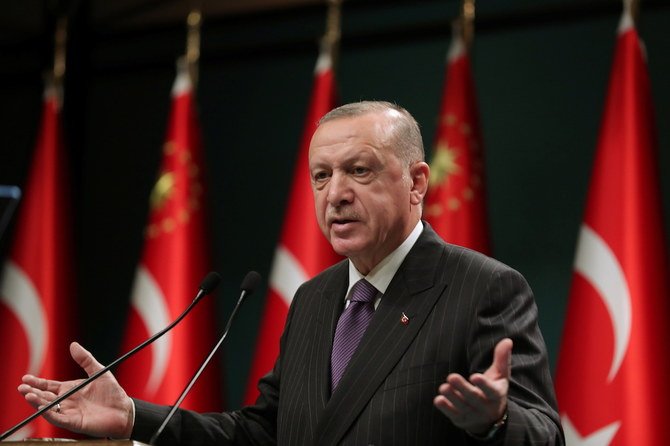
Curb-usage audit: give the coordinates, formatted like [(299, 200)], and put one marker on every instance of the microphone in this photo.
[(208, 284), (247, 287), (12, 194)]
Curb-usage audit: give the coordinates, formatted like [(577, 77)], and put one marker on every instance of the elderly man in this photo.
[(411, 341)]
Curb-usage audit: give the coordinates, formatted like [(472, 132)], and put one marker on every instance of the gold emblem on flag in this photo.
[(183, 175), (162, 190), (443, 164)]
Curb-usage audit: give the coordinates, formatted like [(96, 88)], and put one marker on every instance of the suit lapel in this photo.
[(413, 291), (330, 301)]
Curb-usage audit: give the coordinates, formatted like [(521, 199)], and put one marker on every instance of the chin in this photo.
[(346, 248), (340, 250), (342, 247)]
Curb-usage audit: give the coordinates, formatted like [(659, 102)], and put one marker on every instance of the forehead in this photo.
[(372, 130)]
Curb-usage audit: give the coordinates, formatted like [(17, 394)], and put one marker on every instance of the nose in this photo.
[(339, 190)]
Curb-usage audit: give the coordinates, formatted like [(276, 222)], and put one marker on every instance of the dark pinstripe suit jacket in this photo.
[(459, 303)]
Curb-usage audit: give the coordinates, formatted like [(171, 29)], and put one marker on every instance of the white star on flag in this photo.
[(601, 437)]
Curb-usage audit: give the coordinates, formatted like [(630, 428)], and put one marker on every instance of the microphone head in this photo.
[(210, 282), (250, 282)]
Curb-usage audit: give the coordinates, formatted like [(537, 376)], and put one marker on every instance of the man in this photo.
[(418, 353)]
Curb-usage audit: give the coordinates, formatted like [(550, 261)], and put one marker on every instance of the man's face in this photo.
[(363, 193)]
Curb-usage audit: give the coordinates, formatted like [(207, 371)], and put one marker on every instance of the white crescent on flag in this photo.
[(598, 264), (150, 303), (20, 295), (287, 274)]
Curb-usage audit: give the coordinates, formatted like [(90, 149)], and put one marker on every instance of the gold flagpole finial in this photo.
[(331, 39), (468, 22), (60, 46), (194, 22)]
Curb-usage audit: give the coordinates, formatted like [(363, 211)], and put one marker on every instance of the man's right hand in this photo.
[(101, 409)]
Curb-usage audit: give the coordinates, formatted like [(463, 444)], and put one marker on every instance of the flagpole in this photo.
[(467, 22), (60, 50), (633, 8), (194, 24), (331, 38), (54, 78)]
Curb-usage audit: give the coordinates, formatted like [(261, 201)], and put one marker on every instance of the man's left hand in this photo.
[(475, 405)]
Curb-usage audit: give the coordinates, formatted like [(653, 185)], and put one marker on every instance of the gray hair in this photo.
[(406, 138)]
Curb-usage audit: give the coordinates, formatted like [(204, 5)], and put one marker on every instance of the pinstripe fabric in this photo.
[(459, 304), (350, 328)]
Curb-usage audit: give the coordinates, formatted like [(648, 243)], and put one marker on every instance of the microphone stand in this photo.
[(248, 285), (208, 284)]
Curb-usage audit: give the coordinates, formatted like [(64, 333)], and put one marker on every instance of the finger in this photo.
[(53, 415), (41, 383), (41, 396), (456, 399), (454, 383), (457, 389), (33, 400), (37, 400), (84, 358), (502, 360), (25, 389), (455, 379), (492, 389), (446, 406), (471, 394), (463, 386)]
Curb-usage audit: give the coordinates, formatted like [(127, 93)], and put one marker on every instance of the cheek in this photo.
[(382, 203), (386, 214), (320, 209)]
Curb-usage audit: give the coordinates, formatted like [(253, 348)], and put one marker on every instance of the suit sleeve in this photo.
[(507, 309), (250, 426)]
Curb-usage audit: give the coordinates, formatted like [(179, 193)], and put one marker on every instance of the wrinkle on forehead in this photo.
[(381, 137)]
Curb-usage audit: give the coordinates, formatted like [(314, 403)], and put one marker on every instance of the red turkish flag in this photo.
[(37, 303), (455, 205), (303, 251), (612, 378), (174, 261)]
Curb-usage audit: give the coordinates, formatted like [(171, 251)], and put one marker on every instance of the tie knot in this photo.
[(363, 291)]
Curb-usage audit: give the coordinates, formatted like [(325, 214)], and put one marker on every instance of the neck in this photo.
[(365, 264)]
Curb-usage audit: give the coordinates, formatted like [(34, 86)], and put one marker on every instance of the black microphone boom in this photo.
[(248, 286), (208, 284)]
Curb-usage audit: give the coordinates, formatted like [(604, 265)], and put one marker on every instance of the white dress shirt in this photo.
[(382, 274)]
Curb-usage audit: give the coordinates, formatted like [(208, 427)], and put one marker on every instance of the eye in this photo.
[(360, 170), (320, 176)]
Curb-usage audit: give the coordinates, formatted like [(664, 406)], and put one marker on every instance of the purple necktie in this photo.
[(350, 328)]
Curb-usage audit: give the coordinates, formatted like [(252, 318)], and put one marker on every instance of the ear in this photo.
[(419, 173)]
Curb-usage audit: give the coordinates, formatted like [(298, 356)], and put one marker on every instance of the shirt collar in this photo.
[(382, 274)]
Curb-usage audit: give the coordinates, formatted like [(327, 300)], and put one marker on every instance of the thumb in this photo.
[(84, 358), (502, 359)]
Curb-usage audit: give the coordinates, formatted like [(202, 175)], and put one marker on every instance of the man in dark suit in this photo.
[(410, 341)]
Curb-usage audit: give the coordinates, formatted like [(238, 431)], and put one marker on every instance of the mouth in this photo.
[(342, 219), (341, 223)]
